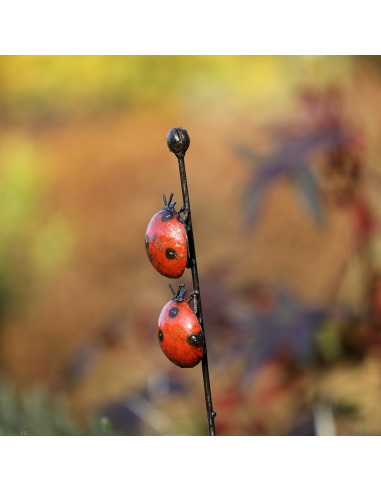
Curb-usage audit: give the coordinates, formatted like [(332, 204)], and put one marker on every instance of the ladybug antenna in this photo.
[(181, 286), (165, 201), (181, 293), (173, 292), (170, 199)]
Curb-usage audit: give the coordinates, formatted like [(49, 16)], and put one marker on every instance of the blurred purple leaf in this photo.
[(291, 158), (252, 202), (287, 327), (309, 193)]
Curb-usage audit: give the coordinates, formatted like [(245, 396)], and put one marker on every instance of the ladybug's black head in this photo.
[(179, 297), (169, 210)]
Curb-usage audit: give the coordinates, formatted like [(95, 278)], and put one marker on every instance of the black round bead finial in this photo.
[(178, 140)]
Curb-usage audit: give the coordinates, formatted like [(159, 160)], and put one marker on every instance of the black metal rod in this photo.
[(178, 142)]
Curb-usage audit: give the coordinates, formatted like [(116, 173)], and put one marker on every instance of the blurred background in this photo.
[(284, 178)]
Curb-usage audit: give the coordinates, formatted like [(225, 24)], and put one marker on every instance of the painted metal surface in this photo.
[(166, 241), (179, 333)]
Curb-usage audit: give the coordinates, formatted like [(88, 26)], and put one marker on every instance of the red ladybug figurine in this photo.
[(166, 241), (179, 331)]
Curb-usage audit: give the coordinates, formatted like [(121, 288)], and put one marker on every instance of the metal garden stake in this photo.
[(178, 142)]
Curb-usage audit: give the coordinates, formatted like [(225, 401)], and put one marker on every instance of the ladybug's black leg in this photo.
[(170, 199), (165, 201), (173, 292), (186, 213), (193, 295), (182, 211)]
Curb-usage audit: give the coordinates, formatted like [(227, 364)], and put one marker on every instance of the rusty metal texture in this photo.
[(178, 142)]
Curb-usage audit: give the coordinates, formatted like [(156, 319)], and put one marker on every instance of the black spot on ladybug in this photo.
[(173, 312), (147, 242), (196, 339), (167, 216), (170, 253), (161, 336)]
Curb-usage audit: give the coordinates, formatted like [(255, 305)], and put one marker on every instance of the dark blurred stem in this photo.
[(196, 287)]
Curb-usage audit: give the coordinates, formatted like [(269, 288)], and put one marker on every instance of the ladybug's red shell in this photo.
[(180, 335), (166, 243)]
